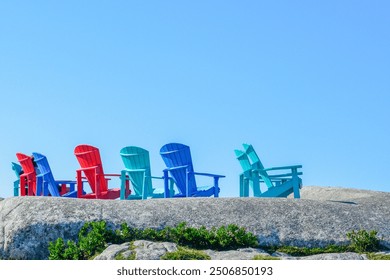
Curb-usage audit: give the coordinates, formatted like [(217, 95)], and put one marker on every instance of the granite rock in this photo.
[(321, 217), (147, 250), (113, 250), (239, 254)]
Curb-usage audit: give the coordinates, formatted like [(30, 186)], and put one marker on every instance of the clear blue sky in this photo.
[(305, 82)]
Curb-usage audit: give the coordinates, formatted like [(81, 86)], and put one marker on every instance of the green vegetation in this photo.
[(184, 253), (364, 241), (222, 238), (92, 240), (303, 251), (94, 237), (264, 258), (361, 241), (373, 256)]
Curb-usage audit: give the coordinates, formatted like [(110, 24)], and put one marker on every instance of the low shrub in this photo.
[(94, 237), (363, 241)]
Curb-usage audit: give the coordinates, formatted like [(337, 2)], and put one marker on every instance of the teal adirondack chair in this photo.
[(277, 185), (138, 172), (18, 170)]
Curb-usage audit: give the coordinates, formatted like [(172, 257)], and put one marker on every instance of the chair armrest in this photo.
[(65, 182), (283, 167), (155, 177), (134, 170), (177, 167), (87, 168), (94, 167), (112, 175), (284, 175), (208, 174)]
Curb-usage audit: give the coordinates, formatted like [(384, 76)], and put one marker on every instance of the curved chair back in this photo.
[(91, 164), (136, 158), (29, 174), (18, 170), (179, 155), (46, 174)]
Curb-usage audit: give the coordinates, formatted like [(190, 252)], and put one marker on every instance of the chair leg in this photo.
[(144, 190), (30, 184), (216, 188), (40, 188), (256, 184), (123, 185), (167, 192), (79, 184), (242, 187), (296, 184), (16, 188), (97, 186), (22, 184), (187, 184)]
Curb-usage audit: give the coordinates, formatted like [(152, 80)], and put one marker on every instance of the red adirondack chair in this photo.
[(92, 170), (29, 175)]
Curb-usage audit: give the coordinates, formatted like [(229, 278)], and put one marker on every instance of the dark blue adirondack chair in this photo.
[(18, 170), (277, 185), (47, 185), (177, 158)]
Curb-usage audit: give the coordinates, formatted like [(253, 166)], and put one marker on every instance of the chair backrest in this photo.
[(28, 169), (250, 161), (176, 155), (26, 163), (89, 156), (45, 172), (17, 169), (136, 158), (253, 157), (243, 159)]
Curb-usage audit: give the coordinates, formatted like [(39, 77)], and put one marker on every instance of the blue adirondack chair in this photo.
[(138, 172), (177, 158), (18, 170), (277, 185), (47, 185)]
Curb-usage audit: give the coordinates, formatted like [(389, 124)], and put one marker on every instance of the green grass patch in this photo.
[(303, 251), (361, 241), (374, 256), (265, 258), (184, 253), (131, 256)]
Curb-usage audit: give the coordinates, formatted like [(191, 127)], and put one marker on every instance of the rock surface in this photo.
[(147, 250), (322, 216), (240, 254), (112, 251)]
